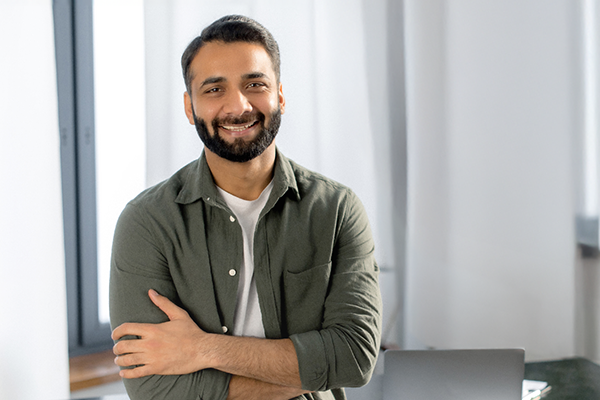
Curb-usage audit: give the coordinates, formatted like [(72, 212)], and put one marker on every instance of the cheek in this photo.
[(268, 106), (206, 111)]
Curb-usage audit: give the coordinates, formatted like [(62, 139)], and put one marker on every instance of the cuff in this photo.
[(312, 360)]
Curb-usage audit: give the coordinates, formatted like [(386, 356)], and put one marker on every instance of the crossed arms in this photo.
[(322, 307), (260, 367)]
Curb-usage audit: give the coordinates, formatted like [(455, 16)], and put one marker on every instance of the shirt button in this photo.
[(232, 272), (208, 199), (224, 329), (231, 218)]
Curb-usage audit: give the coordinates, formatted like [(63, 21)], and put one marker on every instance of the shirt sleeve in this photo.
[(137, 265), (343, 353)]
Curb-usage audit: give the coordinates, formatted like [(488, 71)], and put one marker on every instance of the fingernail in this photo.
[(153, 292)]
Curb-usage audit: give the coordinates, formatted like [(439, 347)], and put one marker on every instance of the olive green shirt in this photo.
[(316, 276)]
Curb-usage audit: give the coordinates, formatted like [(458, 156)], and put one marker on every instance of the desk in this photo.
[(571, 379)]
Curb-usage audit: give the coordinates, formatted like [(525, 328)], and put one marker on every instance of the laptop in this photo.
[(490, 374)]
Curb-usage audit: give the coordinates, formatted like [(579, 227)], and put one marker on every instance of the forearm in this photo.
[(270, 361), (251, 389), (179, 347)]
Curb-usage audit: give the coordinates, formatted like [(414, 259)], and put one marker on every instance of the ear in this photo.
[(281, 99), (187, 101)]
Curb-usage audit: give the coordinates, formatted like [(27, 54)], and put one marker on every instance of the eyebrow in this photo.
[(213, 79), (254, 75)]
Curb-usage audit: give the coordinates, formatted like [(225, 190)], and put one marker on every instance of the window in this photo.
[(100, 72)]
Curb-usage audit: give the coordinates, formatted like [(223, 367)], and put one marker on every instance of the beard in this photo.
[(240, 150)]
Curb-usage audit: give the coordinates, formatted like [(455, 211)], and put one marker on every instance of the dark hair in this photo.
[(230, 29)]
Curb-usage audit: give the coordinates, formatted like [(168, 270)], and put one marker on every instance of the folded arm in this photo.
[(339, 351), (179, 347)]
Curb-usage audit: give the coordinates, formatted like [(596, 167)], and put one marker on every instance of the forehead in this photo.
[(230, 61)]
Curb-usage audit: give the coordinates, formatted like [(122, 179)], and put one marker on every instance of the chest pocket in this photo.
[(304, 295)]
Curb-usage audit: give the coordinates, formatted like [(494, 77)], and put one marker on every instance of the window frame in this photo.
[(73, 29)]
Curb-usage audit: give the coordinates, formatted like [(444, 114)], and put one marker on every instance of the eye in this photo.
[(212, 90), (256, 85)]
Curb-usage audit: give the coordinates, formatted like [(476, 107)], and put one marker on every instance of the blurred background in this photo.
[(468, 128)]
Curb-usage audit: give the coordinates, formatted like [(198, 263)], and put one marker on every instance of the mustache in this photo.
[(239, 120)]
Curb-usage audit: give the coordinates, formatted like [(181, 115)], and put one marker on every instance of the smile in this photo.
[(238, 128)]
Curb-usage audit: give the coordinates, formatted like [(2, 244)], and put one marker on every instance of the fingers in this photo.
[(130, 360), (136, 329), (160, 348), (137, 372), (128, 347), (166, 306), (133, 362), (129, 329)]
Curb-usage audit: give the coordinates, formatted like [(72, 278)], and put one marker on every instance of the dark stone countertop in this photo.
[(571, 379)]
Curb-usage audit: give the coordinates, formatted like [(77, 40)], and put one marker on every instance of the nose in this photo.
[(236, 103)]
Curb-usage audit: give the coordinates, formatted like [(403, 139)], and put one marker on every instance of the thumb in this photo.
[(167, 306)]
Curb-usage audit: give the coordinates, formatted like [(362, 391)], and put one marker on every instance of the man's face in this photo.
[(235, 102)]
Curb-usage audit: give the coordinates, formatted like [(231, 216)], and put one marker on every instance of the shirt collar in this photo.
[(199, 183)]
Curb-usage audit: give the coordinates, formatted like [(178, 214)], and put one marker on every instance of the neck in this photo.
[(245, 180)]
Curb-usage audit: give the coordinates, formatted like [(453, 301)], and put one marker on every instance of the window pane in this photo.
[(120, 121)]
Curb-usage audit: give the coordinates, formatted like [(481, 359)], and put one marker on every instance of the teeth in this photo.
[(237, 128)]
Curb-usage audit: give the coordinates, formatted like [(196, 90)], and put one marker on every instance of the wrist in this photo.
[(206, 351)]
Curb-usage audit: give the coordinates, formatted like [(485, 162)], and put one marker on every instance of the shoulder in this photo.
[(322, 197), (320, 191), (311, 184), (158, 205)]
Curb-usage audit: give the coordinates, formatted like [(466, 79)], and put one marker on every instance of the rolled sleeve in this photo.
[(343, 353), (202, 385)]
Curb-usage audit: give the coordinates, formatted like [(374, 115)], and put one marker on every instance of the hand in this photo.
[(171, 348)]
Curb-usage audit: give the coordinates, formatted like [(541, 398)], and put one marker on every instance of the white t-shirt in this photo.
[(248, 318)]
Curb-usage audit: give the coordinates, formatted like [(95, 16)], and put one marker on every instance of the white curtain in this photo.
[(492, 116), (33, 333)]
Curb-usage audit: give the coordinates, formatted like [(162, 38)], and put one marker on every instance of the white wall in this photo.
[(33, 334), (490, 122)]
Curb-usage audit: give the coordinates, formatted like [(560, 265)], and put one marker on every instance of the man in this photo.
[(244, 275)]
